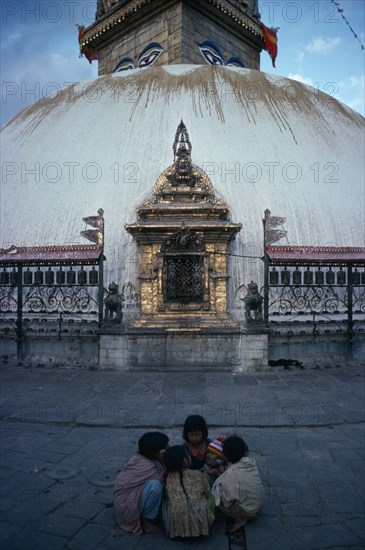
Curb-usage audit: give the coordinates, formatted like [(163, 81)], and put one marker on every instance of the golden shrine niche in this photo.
[(182, 233)]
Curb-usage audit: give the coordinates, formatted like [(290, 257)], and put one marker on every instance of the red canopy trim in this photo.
[(35, 255), (315, 254)]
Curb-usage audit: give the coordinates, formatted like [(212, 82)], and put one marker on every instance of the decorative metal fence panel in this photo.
[(330, 294), (49, 297)]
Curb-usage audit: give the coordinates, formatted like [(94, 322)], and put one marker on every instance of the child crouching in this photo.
[(138, 487), (238, 492), (188, 506)]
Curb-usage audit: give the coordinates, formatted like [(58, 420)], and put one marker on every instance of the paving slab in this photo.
[(65, 434)]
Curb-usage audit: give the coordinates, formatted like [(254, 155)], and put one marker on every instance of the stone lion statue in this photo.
[(113, 304), (253, 303)]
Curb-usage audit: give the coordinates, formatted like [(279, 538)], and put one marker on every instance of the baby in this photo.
[(215, 463)]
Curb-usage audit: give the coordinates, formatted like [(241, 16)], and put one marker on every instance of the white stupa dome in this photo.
[(265, 142)]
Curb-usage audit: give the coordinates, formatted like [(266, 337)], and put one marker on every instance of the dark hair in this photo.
[(151, 443), (234, 448), (195, 423), (174, 462), (174, 458)]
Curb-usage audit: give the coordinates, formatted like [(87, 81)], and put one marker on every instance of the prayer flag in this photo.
[(91, 54), (271, 42)]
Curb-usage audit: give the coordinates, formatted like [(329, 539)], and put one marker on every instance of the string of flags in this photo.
[(340, 11)]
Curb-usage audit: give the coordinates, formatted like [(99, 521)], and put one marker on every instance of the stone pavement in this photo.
[(66, 433)]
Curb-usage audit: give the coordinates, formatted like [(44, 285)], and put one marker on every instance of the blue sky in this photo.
[(317, 47), (39, 48)]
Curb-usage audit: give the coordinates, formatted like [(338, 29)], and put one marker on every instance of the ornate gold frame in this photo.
[(183, 205)]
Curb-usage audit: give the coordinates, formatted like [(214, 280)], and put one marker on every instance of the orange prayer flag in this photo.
[(271, 42)]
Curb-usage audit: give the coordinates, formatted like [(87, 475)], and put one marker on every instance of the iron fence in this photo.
[(51, 298), (331, 294)]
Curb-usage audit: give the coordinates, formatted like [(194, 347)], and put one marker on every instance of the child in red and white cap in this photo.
[(215, 463)]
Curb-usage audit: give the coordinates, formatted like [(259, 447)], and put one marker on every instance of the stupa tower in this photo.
[(183, 237), (136, 33)]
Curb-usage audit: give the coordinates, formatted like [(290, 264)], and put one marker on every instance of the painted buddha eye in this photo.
[(211, 53), (149, 54), (235, 62), (124, 64)]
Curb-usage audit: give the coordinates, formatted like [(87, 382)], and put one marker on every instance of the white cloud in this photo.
[(358, 81), (299, 56), (11, 40), (301, 78), (357, 84), (322, 46), (357, 104), (351, 91)]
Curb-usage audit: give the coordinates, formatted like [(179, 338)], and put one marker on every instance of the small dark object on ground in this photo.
[(237, 538), (286, 363)]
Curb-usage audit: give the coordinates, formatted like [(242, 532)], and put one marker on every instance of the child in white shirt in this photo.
[(238, 492)]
